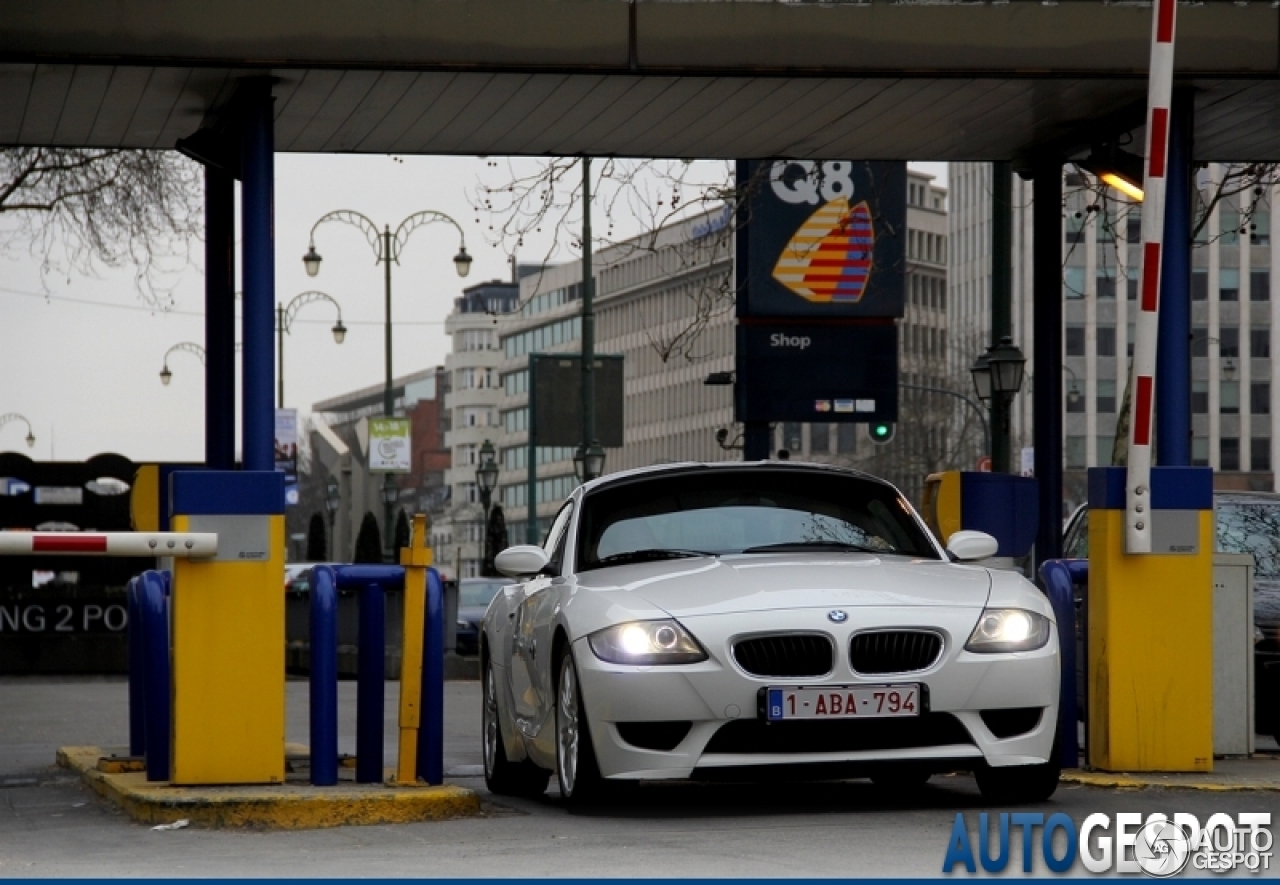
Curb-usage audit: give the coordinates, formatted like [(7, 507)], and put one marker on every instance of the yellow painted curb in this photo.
[(1138, 782), (278, 807)]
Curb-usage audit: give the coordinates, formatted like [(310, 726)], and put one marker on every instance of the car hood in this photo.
[(472, 613), (760, 582), (1266, 602)]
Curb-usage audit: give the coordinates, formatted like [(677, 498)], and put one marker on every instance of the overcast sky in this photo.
[(80, 356)]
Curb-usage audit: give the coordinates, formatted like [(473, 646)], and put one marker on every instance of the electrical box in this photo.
[(1232, 654)]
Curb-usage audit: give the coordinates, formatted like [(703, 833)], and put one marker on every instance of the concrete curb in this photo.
[(283, 807), (1108, 780)]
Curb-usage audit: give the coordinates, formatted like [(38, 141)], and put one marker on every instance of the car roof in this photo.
[(684, 467)]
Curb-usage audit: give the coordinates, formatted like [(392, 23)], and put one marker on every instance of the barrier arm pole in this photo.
[(1159, 97), (415, 558)]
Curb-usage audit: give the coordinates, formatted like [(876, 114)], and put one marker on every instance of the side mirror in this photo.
[(969, 545), (521, 560)]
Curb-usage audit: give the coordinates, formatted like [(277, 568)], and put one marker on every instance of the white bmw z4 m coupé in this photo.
[(736, 620)]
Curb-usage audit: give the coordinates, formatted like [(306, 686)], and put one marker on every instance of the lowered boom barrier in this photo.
[(192, 545)]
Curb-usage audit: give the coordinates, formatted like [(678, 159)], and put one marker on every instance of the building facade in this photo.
[(1233, 391), (472, 406)]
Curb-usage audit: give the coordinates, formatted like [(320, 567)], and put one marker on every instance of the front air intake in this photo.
[(786, 655), (879, 652)]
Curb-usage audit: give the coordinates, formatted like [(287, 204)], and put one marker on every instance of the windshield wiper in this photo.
[(805, 546), (650, 555)]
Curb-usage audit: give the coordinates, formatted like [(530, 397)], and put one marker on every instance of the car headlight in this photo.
[(465, 625), (646, 642), (1258, 635), (1008, 629)]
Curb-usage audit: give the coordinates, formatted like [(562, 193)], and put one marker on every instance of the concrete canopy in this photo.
[(700, 78)]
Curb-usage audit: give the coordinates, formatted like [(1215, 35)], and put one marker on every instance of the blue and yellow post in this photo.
[(228, 630), (1150, 623)]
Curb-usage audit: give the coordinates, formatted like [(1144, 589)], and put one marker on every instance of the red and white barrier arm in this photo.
[(192, 545), (1142, 403)]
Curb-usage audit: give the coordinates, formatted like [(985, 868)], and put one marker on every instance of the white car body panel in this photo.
[(720, 600)]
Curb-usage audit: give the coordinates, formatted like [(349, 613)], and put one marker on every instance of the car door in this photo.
[(530, 646)]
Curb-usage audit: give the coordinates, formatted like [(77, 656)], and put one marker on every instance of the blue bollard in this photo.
[(137, 671), (154, 611), (431, 722), (370, 684), (324, 677), (1058, 577)]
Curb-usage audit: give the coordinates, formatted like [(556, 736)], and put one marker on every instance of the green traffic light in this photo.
[(881, 432)]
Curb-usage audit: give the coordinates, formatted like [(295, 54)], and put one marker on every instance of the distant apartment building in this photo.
[(1233, 392), (472, 406)]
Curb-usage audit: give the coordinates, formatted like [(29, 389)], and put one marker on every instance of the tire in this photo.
[(576, 769), (1020, 784), (502, 777)]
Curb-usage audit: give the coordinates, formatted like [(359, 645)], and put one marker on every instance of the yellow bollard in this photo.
[(415, 558)]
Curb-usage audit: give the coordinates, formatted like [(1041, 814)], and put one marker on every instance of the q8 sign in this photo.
[(822, 239)]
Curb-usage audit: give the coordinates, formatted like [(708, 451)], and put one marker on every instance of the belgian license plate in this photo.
[(842, 702)]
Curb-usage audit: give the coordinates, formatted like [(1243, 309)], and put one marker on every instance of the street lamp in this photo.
[(14, 416), (486, 482), (588, 463), (285, 314), (997, 376), (387, 247), (181, 347)]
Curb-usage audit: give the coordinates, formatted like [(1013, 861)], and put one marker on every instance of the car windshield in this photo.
[(1249, 527), (746, 511), (477, 593)]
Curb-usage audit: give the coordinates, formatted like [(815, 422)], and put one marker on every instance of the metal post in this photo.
[(756, 441), (1173, 353), (431, 723), (531, 469), (1001, 302), (588, 325), (370, 684), (388, 401), (219, 320), (257, 163), (280, 356), (155, 632), (137, 670), (324, 677), (1046, 404)]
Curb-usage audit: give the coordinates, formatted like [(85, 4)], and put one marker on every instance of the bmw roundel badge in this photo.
[(837, 617)]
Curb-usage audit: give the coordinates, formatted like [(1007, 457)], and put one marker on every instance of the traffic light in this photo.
[(881, 431)]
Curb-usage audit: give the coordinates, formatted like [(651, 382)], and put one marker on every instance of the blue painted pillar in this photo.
[(219, 319), (1046, 404), (257, 223), (1173, 353)]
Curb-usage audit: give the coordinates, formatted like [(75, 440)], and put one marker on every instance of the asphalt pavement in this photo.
[(50, 825)]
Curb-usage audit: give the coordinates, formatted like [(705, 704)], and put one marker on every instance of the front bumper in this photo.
[(717, 695)]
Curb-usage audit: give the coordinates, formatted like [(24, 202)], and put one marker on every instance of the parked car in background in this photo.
[(1244, 522), (730, 619), (474, 595)]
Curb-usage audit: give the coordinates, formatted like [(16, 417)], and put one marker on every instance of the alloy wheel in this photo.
[(567, 727)]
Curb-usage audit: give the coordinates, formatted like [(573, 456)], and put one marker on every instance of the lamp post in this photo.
[(14, 416), (332, 494), (486, 482), (181, 347), (285, 314), (387, 246), (588, 461), (997, 377)]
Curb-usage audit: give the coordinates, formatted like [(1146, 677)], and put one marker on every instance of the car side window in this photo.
[(557, 536), (1076, 544)]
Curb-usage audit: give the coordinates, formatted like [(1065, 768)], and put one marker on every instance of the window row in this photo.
[(557, 488), (543, 337), (1228, 341)]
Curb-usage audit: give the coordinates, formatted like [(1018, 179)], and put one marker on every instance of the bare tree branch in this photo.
[(91, 208)]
